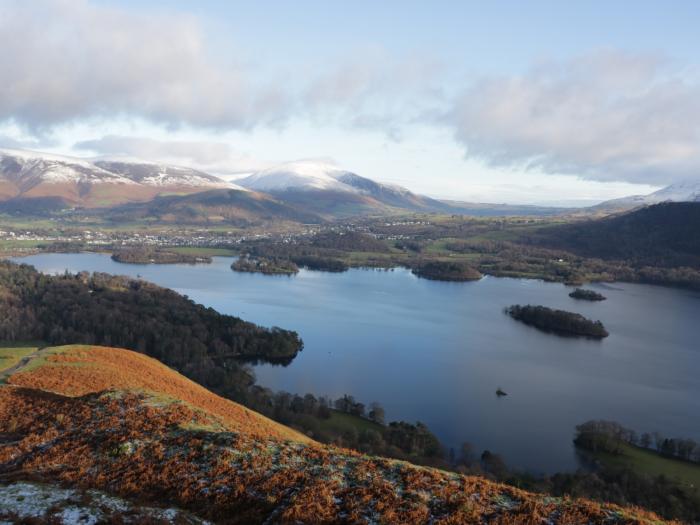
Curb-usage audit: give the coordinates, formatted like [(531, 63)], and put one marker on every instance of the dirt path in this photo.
[(4, 374)]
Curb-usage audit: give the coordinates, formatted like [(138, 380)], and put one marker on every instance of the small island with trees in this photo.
[(265, 265), (148, 255), (586, 295), (559, 322), (446, 271)]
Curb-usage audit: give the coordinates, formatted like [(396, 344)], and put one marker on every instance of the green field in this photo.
[(18, 244), (647, 462)]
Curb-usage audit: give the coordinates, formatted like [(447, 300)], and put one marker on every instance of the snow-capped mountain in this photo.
[(77, 181), (28, 168), (153, 174), (684, 191), (329, 190), (304, 175)]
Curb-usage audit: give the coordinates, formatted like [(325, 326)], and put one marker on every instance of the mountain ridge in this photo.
[(327, 190), (27, 175), (30, 179)]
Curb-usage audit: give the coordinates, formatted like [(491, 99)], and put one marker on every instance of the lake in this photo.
[(436, 352)]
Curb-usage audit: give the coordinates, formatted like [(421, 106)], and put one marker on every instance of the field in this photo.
[(11, 246), (652, 464)]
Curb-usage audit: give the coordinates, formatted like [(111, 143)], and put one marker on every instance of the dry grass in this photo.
[(64, 372)]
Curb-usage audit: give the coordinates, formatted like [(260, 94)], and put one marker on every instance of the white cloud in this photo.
[(64, 60), (67, 61), (214, 157), (608, 116)]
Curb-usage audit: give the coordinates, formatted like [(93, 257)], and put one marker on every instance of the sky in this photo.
[(537, 102)]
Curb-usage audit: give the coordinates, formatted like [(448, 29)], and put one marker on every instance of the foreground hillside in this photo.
[(116, 421)]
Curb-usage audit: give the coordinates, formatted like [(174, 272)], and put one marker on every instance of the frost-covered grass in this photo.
[(25, 501)]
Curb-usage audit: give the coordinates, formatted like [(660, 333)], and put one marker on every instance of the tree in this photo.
[(357, 409), (686, 447), (376, 413), (344, 403), (324, 407), (310, 404), (466, 454), (297, 404), (494, 464)]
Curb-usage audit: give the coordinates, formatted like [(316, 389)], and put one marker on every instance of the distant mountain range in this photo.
[(301, 191)]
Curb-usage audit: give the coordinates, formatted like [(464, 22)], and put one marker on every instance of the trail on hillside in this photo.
[(5, 374)]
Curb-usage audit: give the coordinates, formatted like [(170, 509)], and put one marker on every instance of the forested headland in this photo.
[(109, 310), (611, 437)]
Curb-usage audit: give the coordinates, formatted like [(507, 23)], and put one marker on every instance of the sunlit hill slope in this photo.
[(118, 421)]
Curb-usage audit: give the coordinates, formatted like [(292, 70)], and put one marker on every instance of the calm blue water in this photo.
[(437, 352)]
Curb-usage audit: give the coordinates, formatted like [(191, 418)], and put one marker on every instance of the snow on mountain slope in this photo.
[(325, 189), (684, 191), (28, 174), (27, 169), (154, 174), (314, 175), (300, 175)]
